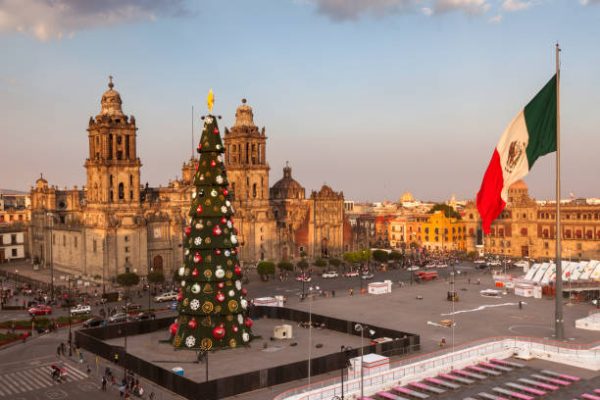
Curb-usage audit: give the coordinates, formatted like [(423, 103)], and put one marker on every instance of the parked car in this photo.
[(81, 309), (118, 318), (168, 296), (305, 278), (144, 316), (367, 276), (129, 307), (94, 322), (329, 274), (351, 274), (413, 268), (522, 264), (40, 309)]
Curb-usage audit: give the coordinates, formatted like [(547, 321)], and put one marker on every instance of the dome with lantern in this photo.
[(111, 101), (287, 187)]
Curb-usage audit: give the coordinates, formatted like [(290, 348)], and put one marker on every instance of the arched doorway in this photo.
[(324, 250), (157, 263)]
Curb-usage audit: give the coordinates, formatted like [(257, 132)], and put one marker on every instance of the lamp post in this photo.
[(361, 328), (343, 350), (151, 271), (310, 291), (70, 323)]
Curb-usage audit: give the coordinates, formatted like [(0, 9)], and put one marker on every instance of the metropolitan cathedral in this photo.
[(115, 222)]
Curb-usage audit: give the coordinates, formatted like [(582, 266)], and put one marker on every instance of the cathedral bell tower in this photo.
[(113, 168), (248, 173)]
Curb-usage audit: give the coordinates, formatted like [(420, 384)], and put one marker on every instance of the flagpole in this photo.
[(559, 332)]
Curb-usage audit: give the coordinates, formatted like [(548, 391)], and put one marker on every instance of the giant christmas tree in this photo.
[(212, 305)]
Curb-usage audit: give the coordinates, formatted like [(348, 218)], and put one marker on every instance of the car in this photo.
[(118, 318), (305, 278), (367, 276), (329, 274), (522, 264), (168, 296), (479, 261), (40, 309), (94, 322), (351, 274), (413, 268), (131, 307), (144, 316), (81, 309)]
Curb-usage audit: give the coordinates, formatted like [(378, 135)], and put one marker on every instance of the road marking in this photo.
[(36, 378), (480, 308)]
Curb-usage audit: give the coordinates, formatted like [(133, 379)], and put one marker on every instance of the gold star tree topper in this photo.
[(210, 100)]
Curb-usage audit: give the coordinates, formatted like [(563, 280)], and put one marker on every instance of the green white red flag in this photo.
[(530, 135)]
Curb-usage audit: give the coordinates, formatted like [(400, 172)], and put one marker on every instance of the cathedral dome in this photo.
[(111, 102), (287, 187), (407, 197), (244, 116), (518, 185)]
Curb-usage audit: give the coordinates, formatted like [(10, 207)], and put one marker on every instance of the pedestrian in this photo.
[(351, 292), (520, 305), (116, 358), (58, 351), (333, 293), (88, 369), (104, 382)]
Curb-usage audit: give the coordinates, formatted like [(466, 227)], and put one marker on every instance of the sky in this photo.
[(372, 97)]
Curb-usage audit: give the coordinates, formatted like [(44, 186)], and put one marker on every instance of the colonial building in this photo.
[(114, 223), (527, 229)]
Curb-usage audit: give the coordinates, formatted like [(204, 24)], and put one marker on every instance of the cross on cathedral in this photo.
[(110, 82)]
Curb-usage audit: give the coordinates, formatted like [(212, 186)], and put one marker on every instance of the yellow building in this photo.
[(441, 232)]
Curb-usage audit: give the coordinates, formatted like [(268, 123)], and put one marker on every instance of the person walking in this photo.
[(104, 382)]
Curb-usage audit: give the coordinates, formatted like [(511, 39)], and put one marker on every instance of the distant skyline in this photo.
[(372, 97)]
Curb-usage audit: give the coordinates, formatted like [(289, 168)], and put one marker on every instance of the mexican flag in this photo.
[(530, 135)]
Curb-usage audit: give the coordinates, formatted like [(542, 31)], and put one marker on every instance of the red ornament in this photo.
[(217, 230), (193, 324), (199, 209), (195, 272), (225, 192), (235, 328), (223, 220), (220, 297), (216, 131), (180, 296), (197, 257), (218, 332), (248, 322), (199, 146), (213, 163), (218, 252), (188, 230), (238, 270), (173, 328), (244, 291), (221, 285)]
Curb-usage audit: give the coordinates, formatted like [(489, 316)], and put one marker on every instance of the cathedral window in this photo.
[(94, 246), (247, 153), (121, 191), (75, 242), (119, 139), (64, 240), (131, 195), (110, 147), (110, 197), (254, 190), (127, 147), (111, 180), (119, 155), (130, 180)]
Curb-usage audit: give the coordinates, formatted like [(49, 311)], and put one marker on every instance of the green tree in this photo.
[(335, 262), (265, 268), (394, 255), (320, 262), (213, 307), (302, 264), (285, 266), (380, 255), (449, 212), (155, 277), (128, 279)]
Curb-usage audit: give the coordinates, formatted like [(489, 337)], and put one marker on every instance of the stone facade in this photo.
[(114, 223)]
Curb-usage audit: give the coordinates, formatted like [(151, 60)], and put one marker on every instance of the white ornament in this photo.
[(194, 194), (208, 120), (223, 209), (245, 337), (201, 177), (218, 147), (219, 273), (182, 283), (195, 288), (186, 252), (227, 203), (190, 341), (238, 285), (227, 253), (240, 319), (198, 241), (219, 158), (181, 271), (233, 239), (229, 224), (244, 303), (213, 193), (195, 304), (231, 293), (219, 179), (198, 226)]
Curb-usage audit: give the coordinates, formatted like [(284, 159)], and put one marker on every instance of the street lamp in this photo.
[(310, 291), (343, 350), (361, 328), (70, 323), (51, 225)]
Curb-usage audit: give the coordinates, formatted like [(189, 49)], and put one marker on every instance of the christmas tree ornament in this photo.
[(248, 322), (218, 332), (193, 324), (195, 272)]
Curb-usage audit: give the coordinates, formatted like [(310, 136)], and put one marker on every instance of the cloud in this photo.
[(343, 10), (55, 19), (496, 19), (516, 5), (587, 2), (471, 7)]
